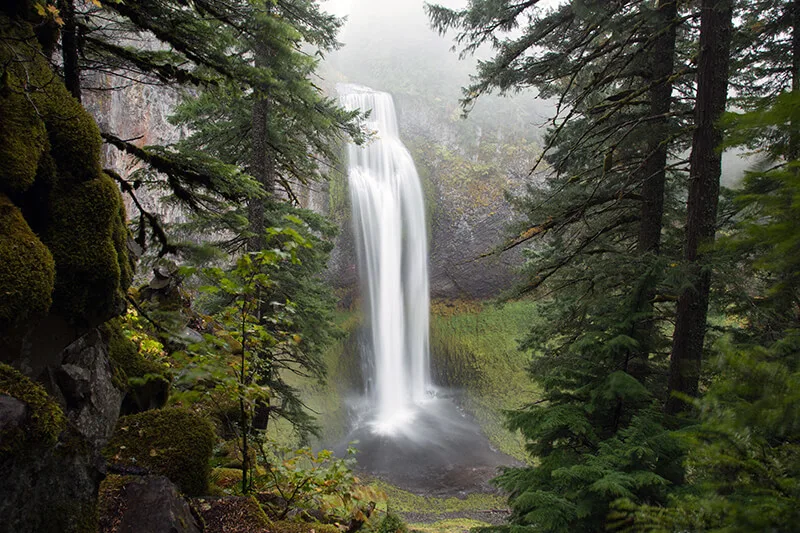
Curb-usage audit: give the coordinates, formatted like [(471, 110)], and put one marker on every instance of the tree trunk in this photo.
[(704, 174), (262, 160), (660, 95), (662, 59), (794, 134), (69, 48)]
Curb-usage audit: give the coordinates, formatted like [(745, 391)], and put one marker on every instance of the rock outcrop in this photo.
[(145, 504), (64, 270), (54, 466)]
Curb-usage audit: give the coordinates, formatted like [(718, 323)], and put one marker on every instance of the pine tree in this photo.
[(743, 454), (208, 44), (284, 135), (597, 432), (716, 27)]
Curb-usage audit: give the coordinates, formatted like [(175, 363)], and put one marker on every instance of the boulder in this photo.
[(172, 442), (146, 504), (51, 471)]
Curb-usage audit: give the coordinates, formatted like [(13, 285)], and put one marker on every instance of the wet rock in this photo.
[(53, 487), (85, 382), (12, 414), (148, 504)]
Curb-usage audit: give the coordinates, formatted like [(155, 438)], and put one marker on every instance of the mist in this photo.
[(390, 46)]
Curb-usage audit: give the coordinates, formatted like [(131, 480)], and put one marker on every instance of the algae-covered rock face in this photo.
[(145, 383), (172, 442), (27, 270), (58, 210), (39, 420)]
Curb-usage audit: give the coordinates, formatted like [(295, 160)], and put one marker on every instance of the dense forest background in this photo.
[(163, 321)]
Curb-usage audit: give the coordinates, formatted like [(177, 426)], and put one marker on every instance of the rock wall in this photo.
[(466, 169), (53, 485), (64, 269), (465, 176)]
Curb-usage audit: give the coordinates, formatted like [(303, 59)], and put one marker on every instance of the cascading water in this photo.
[(391, 240)]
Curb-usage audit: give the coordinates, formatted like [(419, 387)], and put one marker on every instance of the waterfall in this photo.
[(391, 241)]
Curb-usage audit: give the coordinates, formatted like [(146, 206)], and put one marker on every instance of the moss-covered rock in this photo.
[(146, 383), (81, 237), (51, 152), (226, 478), (172, 442), (45, 420), (24, 140), (27, 271), (74, 136)]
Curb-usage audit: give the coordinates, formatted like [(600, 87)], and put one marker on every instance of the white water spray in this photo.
[(391, 240)]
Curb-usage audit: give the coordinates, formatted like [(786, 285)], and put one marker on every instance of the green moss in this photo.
[(303, 527), (226, 478), (402, 501), (391, 523), (27, 271), (172, 442), (120, 235), (255, 513), (80, 235), (125, 353), (77, 209), (451, 525), (24, 139), (145, 382), (474, 346), (46, 418)]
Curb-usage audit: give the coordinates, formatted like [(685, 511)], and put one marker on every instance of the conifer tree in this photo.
[(285, 133), (716, 28), (597, 432), (743, 454)]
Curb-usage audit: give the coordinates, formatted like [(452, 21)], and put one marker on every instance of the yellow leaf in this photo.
[(97, 3), (153, 452)]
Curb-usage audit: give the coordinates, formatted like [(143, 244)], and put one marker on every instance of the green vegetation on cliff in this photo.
[(475, 347), (45, 419), (27, 270), (172, 442)]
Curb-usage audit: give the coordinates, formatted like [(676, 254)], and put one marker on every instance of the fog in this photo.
[(389, 46)]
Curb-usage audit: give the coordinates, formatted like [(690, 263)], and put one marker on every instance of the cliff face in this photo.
[(466, 167), (465, 175), (137, 112), (64, 269)]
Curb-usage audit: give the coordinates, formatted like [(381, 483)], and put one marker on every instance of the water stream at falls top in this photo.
[(392, 246)]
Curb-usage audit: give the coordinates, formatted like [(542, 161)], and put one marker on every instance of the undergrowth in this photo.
[(474, 347)]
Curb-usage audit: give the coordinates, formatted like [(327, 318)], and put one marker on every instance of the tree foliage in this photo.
[(604, 240)]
